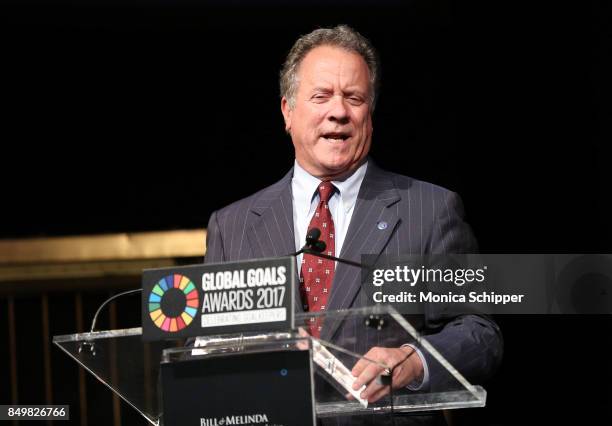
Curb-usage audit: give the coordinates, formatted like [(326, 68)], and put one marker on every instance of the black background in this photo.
[(147, 115)]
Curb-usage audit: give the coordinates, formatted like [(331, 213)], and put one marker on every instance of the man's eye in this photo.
[(320, 97), (355, 100)]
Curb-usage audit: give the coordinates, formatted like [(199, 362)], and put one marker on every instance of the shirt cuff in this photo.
[(415, 385)]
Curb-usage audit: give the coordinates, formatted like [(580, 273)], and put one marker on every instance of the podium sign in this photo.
[(199, 300)]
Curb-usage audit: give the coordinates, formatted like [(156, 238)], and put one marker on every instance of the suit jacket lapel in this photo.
[(271, 232), (373, 223)]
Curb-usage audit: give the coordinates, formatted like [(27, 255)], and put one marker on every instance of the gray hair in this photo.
[(341, 36)]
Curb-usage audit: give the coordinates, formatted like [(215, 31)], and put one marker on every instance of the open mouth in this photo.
[(333, 136)]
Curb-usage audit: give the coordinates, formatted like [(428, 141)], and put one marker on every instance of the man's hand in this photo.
[(406, 370), (303, 344)]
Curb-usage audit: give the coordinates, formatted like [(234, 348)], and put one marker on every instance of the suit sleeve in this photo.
[(473, 344), (214, 241)]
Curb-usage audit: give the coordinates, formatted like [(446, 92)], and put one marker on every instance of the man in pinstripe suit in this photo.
[(328, 88)]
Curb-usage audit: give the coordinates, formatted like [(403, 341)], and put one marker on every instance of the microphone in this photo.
[(313, 236), (319, 246), (316, 247), (313, 242)]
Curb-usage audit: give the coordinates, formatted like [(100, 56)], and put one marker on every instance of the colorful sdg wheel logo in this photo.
[(173, 303)]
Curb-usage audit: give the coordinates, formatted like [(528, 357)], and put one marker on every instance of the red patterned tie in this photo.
[(317, 274)]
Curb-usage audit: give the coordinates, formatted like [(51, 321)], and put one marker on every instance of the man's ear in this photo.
[(286, 110)]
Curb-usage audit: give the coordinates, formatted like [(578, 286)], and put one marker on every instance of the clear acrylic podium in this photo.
[(130, 367)]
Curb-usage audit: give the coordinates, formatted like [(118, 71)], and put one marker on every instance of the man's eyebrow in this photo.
[(354, 91), (349, 91)]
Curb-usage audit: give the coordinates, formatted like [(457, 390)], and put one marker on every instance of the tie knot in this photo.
[(326, 190)]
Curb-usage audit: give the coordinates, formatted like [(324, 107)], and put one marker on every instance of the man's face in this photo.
[(331, 123)]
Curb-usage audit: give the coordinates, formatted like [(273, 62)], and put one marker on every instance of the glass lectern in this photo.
[(135, 370)]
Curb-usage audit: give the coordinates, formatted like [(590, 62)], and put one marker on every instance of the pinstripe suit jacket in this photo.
[(422, 218)]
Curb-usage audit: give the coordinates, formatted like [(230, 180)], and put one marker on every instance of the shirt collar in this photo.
[(305, 187)]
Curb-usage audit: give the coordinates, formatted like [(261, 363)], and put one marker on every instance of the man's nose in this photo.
[(338, 110)]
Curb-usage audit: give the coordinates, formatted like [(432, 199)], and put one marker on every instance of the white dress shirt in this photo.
[(304, 189)]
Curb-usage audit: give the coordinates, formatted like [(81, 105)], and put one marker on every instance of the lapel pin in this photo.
[(382, 225)]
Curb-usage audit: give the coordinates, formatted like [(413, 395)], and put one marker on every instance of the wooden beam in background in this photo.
[(11, 274), (82, 383), (13, 350), (112, 247), (46, 346), (114, 370)]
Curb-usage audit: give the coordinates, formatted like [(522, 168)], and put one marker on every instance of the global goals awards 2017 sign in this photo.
[(199, 300)]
